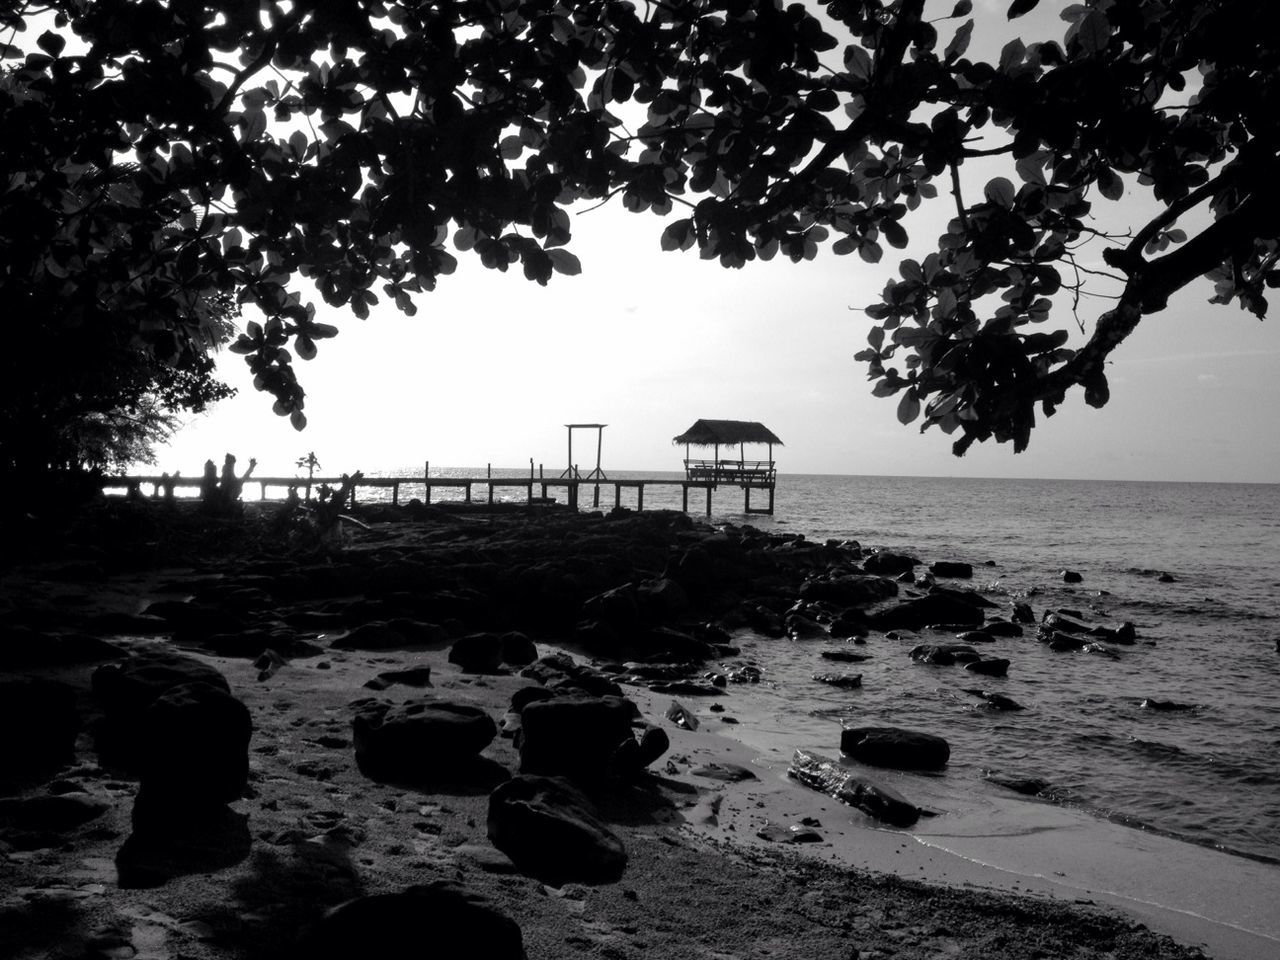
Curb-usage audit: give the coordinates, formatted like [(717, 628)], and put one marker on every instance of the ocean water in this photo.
[(1209, 774)]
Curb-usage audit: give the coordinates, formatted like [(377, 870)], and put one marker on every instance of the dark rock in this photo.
[(1062, 642), (126, 689), (944, 654), (516, 649), (58, 813), (686, 688), (1022, 613), (976, 636), (477, 653), (1002, 628), (845, 681), (996, 701), (993, 667), (559, 672), (654, 742), (552, 832), (895, 747), (845, 656), (1166, 706), (194, 746), (850, 624), (38, 725), (796, 833), (376, 635), (724, 771), (1027, 786), (934, 608), (681, 716), (410, 677), (1167, 578), (419, 740), (573, 736), (849, 590), (888, 563), (950, 568), (442, 919), (127, 624), (831, 778), (618, 607), (661, 599), (802, 628), (1062, 624), (1071, 576)]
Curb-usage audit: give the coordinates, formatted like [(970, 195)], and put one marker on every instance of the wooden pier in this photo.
[(482, 488)]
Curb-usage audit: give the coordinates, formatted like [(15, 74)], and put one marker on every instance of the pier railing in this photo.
[(742, 472), (145, 486)]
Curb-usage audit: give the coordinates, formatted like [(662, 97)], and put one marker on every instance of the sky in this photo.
[(493, 366)]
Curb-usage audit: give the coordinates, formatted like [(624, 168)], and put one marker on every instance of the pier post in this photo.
[(468, 489), (770, 499), (573, 494), (708, 500), (395, 494), (617, 496), (684, 497), (746, 506), (595, 501), (640, 498)]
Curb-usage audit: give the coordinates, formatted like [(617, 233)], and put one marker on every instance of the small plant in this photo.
[(311, 463), (318, 523)]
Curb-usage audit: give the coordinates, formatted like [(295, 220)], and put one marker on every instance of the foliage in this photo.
[(171, 150)]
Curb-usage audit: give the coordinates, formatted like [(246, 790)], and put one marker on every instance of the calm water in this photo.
[(1210, 775)]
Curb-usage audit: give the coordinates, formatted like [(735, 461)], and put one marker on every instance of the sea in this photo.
[(1194, 566)]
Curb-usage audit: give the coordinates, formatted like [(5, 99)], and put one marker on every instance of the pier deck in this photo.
[(136, 486)]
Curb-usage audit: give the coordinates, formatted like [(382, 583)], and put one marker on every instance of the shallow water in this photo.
[(1209, 774)]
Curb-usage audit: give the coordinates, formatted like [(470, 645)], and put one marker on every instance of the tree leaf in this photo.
[(1095, 31), (1110, 185), (908, 406), (565, 262), (959, 43), (1000, 191), (962, 9), (1019, 7), (857, 62)]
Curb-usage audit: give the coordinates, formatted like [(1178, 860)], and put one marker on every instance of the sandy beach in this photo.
[(313, 831)]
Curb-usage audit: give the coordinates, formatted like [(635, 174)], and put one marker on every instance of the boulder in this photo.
[(934, 608), (844, 656), (477, 653), (1165, 706), (1022, 613), (419, 740), (38, 725), (951, 568), (58, 813), (409, 677), (661, 599), (1071, 576), (438, 920), (888, 563), (802, 628), (944, 654), (849, 590), (829, 777), (194, 746), (516, 649), (845, 681), (995, 701), (126, 689), (895, 747), (992, 667), (573, 736), (976, 636), (552, 832), (1002, 628)]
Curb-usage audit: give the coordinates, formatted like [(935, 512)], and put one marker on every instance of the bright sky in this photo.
[(493, 366)]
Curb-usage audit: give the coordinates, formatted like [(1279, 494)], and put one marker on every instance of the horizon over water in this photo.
[(1208, 774)]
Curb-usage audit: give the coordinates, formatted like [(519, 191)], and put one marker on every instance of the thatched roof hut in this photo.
[(727, 433)]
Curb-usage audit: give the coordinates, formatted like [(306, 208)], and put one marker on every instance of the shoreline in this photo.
[(302, 706)]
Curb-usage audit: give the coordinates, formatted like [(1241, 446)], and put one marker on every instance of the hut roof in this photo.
[(727, 433)]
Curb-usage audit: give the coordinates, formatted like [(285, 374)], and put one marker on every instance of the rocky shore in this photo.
[(473, 730)]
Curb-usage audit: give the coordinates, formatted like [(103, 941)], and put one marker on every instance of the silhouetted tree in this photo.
[(169, 150)]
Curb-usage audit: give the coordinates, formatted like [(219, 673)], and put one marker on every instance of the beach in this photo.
[(311, 830)]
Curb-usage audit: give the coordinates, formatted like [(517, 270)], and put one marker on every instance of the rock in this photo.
[(383, 635), (888, 563), (934, 608), (661, 599), (1061, 623), (724, 771), (654, 742), (944, 654), (976, 636), (1165, 706), (993, 667), (573, 736), (1071, 576), (827, 776), (845, 656), (477, 653), (516, 649), (845, 681), (618, 607), (410, 677), (194, 746), (681, 716), (802, 628), (895, 747), (1022, 613), (58, 813), (553, 833), (796, 833), (419, 740), (1028, 786), (1167, 578), (852, 623), (128, 688), (848, 590), (559, 672), (1062, 642), (442, 919), (996, 701), (38, 725), (950, 568), (1002, 628)]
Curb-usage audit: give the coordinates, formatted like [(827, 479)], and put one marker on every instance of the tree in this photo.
[(246, 143)]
